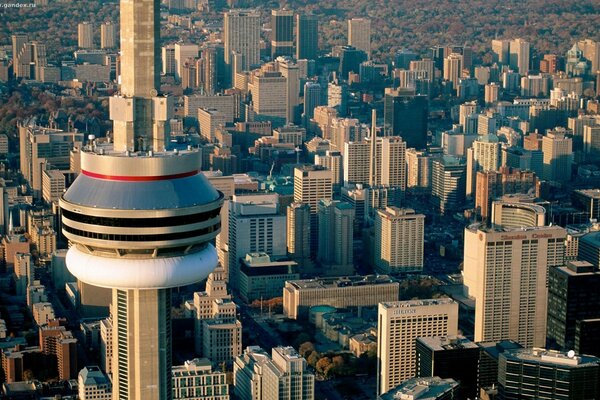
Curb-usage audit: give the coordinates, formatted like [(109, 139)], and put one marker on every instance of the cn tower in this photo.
[(140, 216)]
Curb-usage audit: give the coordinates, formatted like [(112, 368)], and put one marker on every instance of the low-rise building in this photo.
[(351, 291), (196, 380)]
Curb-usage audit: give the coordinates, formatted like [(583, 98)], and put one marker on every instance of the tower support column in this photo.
[(142, 344)]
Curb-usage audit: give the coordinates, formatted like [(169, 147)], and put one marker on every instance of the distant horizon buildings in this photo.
[(85, 35), (359, 34), (282, 33), (307, 37)]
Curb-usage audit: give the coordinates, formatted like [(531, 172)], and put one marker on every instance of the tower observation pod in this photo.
[(140, 217), (141, 224)]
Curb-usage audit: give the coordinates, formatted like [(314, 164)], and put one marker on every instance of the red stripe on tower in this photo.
[(130, 178)]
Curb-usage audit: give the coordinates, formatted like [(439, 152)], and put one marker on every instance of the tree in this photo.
[(28, 375), (338, 361), (312, 359), (306, 348), (323, 364)]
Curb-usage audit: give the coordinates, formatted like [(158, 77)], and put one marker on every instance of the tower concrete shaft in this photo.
[(142, 339), (140, 219), (140, 117)]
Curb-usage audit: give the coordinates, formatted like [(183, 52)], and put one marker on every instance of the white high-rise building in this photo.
[(108, 36), (256, 224), (283, 376), (290, 71), (519, 56), (453, 68), (85, 35), (557, 148), (400, 324), (241, 30), (333, 161), (359, 34), (106, 345), (389, 161), (93, 384), (501, 50), (269, 91), (399, 240), (419, 165), (183, 53), (196, 380), (485, 155), (311, 184), (505, 271)]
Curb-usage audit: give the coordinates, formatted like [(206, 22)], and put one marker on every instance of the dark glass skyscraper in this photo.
[(282, 33), (307, 37), (350, 60), (543, 374), (449, 357), (572, 296), (406, 115)]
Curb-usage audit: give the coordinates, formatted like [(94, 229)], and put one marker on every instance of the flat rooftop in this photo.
[(440, 343), (544, 356), (421, 389), (328, 283), (417, 303)]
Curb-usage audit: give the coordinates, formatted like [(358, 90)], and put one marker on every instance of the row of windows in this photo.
[(141, 222), (142, 237)]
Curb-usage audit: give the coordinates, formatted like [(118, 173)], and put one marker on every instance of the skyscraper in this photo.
[(406, 115), (484, 156), (283, 376), (448, 182), (386, 159), (140, 225), (359, 34), (256, 224), (311, 184), (85, 35), (591, 51), (214, 68), (541, 374), (298, 234), (350, 60), (184, 53), (282, 33), (400, 324), (241, 32), (453, 65), (399, 239), (572, 296), (336, 231), (312, 99), (505, 271), (492, 184), (108, 35), (453, 357), (270, 96), (519, 56), (307, 37), (501, 50), (290, 71), (168, 60), (557, 147)]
